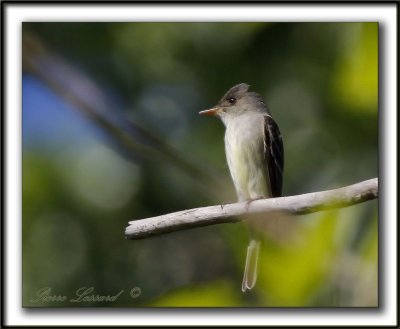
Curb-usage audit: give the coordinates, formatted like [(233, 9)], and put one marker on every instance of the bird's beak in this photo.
[(211, 112)]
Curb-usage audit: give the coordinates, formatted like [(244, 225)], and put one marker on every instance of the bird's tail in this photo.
[(250, 270)]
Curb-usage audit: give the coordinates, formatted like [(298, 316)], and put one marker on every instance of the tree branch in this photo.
[(231, 213), (85, 95)]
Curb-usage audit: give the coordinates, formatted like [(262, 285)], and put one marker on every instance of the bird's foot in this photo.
[(250, 201)]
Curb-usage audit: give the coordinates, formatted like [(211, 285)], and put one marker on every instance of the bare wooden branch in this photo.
[(295, 205)]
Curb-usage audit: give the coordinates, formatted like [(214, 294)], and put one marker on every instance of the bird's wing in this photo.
[(273, 155)]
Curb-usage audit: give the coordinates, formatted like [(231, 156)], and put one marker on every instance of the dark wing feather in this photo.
[(273, 155)]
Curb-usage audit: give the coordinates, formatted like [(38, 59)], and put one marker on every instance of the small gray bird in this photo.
[(254, 151)]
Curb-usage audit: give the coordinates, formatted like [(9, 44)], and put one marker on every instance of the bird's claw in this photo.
[(250, 201)]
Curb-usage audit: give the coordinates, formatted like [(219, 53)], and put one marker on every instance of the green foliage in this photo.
[(215, 294), (320, 81)]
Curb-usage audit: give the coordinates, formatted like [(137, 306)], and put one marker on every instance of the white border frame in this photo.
[(385, 14)]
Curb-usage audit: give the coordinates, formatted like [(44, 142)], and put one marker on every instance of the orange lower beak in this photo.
[(210, 112)]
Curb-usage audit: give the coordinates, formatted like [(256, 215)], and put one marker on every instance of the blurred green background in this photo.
[(111, 133)]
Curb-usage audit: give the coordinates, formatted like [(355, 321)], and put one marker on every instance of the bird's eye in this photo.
[(232, 100)]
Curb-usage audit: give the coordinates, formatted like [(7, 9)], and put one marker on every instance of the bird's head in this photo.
[(237, 100)]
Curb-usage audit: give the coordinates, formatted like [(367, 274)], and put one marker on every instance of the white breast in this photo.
[(244, 143)]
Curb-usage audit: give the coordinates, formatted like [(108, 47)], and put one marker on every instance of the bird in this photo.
[(254, 153)]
